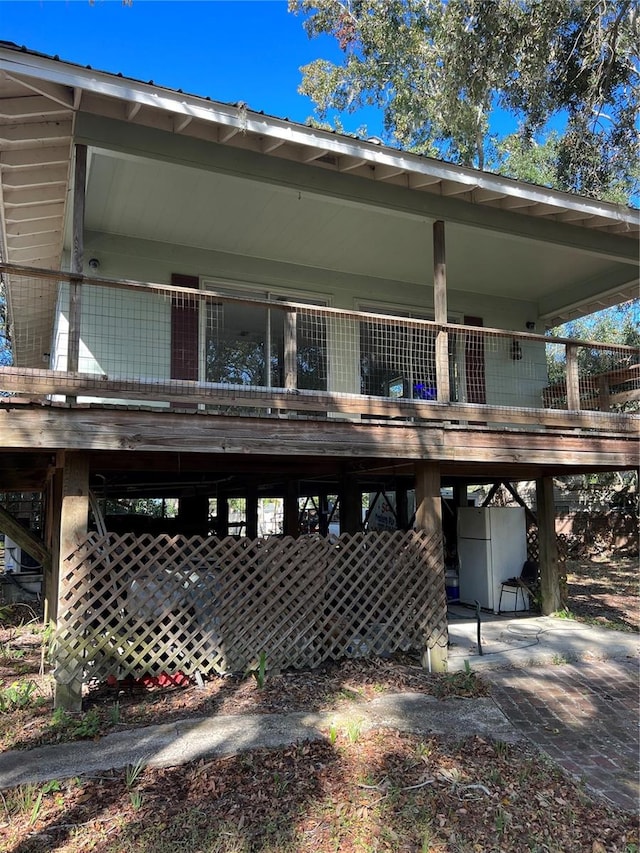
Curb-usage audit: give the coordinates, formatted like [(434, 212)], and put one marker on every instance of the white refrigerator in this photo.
[(492, 547)]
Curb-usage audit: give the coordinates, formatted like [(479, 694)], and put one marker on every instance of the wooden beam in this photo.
[(428, 500), (32, 384), (290, 350), (243, 163), (222, 514), (350, 505), (291, 519), (74, 513), (440, 305), (531, 516), (573, 379), (429, 518), (548, 547), (439, 273), (77, 258), (125, 430), (26, 539), (62, 95), (251, 510), (53, 509)]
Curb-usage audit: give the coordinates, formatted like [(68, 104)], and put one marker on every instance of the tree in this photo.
[(619, 325), (617, 490), (438, 68)]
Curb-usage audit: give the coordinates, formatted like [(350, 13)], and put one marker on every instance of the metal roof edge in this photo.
[(24, 62)]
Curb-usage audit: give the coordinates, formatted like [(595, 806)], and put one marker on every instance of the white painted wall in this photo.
[(127, 335)]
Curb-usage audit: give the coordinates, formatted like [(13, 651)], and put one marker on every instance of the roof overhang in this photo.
[(41, 99)]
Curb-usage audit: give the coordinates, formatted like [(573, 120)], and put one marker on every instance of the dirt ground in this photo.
[(604, 592), (380, 791)]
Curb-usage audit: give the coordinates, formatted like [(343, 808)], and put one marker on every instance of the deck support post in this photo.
[(291, 510), (77, 259), (548, 547), (290, 351), (440, 310), (350, 505), (74, 513), (193, 515), (252, 511), (323, 514), (53, 510), (429, 518), (222, 514), (573, 379), (402, 506)]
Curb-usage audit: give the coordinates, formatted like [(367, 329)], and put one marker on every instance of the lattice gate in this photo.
[(132, 605)]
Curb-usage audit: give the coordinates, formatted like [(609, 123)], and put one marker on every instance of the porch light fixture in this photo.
[(516, 350)]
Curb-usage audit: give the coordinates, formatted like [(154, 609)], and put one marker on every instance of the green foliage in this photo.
[(133, 772), (438, 69), (137, 799), (17, 695), (462, 683), (618, 326), (47, 788), (72, 728), (259, 670)]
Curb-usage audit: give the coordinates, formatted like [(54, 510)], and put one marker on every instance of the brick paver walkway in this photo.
[(584, 716)]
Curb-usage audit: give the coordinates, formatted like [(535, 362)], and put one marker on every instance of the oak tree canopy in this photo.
[(566, 71)]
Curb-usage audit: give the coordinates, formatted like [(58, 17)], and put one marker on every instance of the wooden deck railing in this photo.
[(262, 357)]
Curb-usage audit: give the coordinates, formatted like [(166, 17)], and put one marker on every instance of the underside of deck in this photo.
[(165, 450)]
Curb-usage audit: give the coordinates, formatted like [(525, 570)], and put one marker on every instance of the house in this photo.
[(213, 305)]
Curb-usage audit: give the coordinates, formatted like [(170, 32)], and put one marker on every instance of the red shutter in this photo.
[(184, 334), (184, 330), (474, 361)]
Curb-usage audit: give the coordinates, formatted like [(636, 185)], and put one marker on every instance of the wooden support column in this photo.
[(428, 500), (460, 497), (548, 547), (323, 514), (350, 505), (604, 393), (573, 379), (429, 518), (291, 510), (402, 506), (252, 511), (50, 579), (74, 513), (77, 258), (441, 313), (28, 541), (193, 515), (222, 514), (290, 350)]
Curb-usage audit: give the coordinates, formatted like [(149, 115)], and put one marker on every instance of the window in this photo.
[(397, 359), (244, 343)]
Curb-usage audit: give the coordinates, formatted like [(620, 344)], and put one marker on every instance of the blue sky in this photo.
[(229, 50)]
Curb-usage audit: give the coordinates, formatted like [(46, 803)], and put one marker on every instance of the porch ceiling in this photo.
[(168, 203)]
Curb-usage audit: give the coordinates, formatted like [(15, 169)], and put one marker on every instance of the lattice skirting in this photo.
[(133, 605)]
